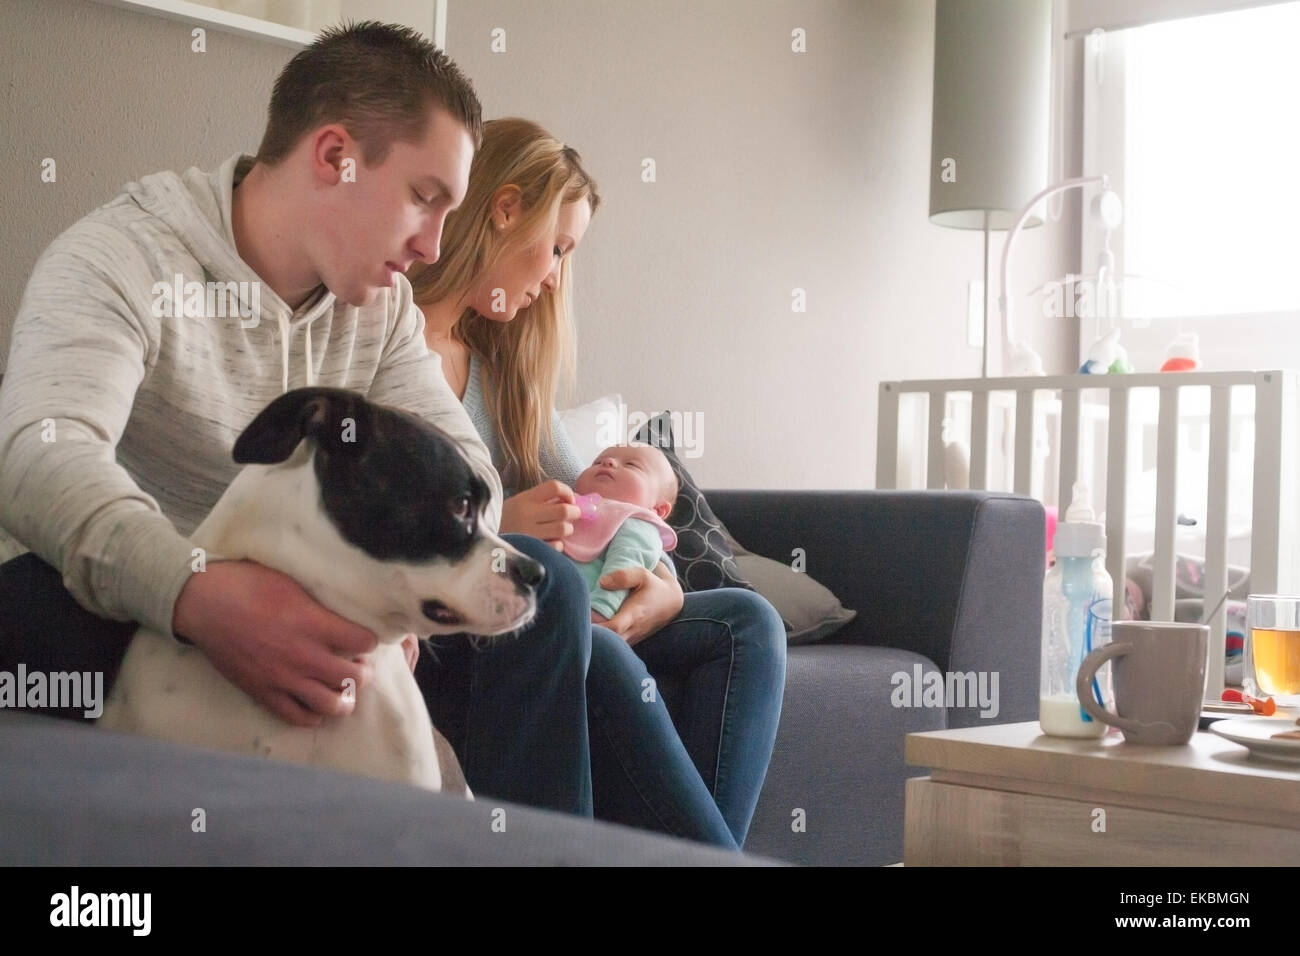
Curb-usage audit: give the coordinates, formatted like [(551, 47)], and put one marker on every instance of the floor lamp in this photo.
[(989, 134)]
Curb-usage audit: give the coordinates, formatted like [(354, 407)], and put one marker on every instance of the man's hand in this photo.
[(544, 511), (655, 599), (271, 639)]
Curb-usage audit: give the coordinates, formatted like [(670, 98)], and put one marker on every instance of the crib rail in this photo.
[(1274, 561)]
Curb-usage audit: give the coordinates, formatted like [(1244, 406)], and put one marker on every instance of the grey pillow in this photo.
[(810, 611)]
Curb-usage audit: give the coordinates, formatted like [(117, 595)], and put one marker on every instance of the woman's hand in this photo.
[(545, 511), (655, 600)]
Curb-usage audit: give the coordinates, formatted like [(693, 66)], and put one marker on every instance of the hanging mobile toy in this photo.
[(1102, 355)]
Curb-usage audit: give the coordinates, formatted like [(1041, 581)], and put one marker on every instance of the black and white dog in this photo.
[(376, 514)]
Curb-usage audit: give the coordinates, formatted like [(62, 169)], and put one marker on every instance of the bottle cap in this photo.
[(1079, 535)]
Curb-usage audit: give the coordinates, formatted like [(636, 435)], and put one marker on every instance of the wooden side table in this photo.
[(1006, 795)]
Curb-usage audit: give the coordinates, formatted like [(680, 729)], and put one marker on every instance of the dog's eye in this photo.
[(463, 507)]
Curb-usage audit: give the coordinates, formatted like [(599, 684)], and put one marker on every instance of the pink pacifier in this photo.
[(588, 505)]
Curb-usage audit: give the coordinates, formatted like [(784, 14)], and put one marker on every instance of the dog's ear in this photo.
[(325, 414)]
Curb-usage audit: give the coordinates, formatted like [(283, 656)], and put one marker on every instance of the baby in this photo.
[(625, 496)]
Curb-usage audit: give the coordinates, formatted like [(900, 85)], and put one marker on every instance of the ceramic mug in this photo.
[(1159, 678)]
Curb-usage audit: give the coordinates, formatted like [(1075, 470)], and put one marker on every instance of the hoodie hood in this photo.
[(196, 206)]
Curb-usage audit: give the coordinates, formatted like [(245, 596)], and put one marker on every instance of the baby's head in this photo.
[(638, 474)]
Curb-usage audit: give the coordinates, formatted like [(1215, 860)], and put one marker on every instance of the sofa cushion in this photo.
[(810, 611), (837, 768), (76, 795), (593, 427)]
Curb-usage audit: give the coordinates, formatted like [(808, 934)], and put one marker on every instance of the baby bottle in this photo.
[(1077, 598)]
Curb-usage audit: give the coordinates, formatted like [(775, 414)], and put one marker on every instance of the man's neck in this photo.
[(266, 239)]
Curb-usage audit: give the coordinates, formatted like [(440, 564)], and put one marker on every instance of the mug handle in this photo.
[(1083, 687)]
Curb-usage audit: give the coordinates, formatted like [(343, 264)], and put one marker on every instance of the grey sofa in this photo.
[(73, 795), (951, 581), (948, 580)]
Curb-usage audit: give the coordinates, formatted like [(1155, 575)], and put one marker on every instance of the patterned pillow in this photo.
[(703, 557)]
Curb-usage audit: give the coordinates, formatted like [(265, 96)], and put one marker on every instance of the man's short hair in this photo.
[(377, 80)]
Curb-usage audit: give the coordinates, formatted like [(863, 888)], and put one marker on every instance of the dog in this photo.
[(377, 515)]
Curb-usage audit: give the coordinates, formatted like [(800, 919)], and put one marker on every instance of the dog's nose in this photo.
[(526, 573)]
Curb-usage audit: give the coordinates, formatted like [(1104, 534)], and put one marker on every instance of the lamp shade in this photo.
[(992, 91)]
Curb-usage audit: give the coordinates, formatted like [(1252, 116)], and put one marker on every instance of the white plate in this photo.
[(1257, 734)]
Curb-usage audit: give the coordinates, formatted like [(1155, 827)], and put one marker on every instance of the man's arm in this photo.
[(81, 343), (410, 377)]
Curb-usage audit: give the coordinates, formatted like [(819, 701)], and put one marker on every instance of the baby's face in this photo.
[(639, 474)]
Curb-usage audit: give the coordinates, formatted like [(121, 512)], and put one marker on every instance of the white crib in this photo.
[(1235, 435)]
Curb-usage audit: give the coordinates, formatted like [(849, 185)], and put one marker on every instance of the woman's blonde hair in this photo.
[(526, 360)]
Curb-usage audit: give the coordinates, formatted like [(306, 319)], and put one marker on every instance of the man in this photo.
[(119, 406)]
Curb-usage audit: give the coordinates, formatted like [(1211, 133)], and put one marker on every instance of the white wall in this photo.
[(775, 170), (111, 95)]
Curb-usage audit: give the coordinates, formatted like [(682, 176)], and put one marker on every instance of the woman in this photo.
[(496, 307)]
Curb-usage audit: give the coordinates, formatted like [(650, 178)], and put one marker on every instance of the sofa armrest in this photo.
[(956, 576)]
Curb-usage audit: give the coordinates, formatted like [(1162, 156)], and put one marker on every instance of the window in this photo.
[(1197, 122)]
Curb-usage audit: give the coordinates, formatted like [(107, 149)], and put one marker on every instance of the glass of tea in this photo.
[(1273, 651)]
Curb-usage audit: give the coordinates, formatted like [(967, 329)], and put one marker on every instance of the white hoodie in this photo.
[(116, 423)]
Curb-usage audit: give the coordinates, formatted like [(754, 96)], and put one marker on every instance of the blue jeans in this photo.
[(682, 724), (689, 761), (514, 708)]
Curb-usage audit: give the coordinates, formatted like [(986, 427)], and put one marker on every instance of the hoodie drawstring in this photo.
[(311, 375), (284, 351), (286, 331)]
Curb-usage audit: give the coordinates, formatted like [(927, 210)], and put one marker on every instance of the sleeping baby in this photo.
[(624, 496)]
